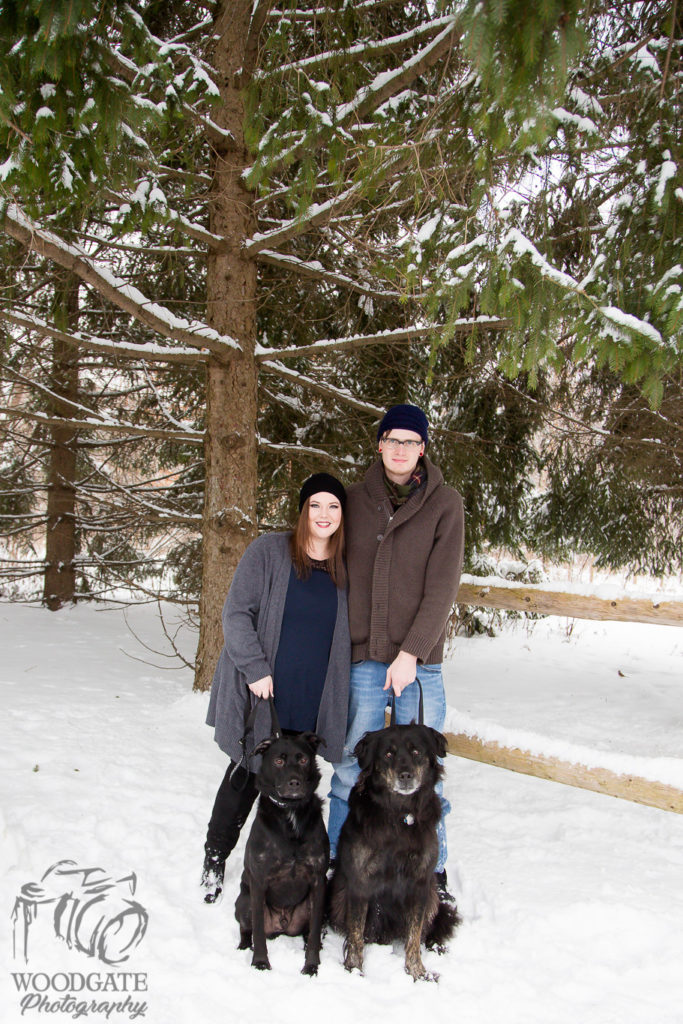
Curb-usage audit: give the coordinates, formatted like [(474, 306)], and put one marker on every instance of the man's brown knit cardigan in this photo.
[(404, 567)]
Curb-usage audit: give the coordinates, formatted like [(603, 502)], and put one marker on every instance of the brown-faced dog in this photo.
[(383, 888), (282, 891)]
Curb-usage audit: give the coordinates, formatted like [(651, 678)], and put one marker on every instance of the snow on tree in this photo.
[(333, 206)]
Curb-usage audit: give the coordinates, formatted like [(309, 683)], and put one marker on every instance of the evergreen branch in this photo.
[(366, 48), (667, 60), (107, 426), (317, 214), (141, 504), (462, 328), (259, 16), (314, 269), (383, 86), (126, 297), (301, 449), (150, 353), (168, 216), (332, 12), (326, 390)]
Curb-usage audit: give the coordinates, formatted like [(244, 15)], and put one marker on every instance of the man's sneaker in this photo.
[(442, 888), (213, 873)]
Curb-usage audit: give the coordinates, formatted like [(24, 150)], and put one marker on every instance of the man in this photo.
[(405, 532)]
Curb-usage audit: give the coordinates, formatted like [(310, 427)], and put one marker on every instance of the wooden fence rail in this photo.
[(599, 780), (548, 600)]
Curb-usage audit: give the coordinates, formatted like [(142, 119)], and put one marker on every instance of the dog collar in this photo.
[(288, 803), (409, 819), (278, 803)]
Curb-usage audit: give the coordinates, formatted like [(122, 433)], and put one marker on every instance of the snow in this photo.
[(631, 323), (571, 901), (667, 172)]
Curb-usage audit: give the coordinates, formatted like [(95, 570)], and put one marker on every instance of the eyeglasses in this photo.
[(393, 442)]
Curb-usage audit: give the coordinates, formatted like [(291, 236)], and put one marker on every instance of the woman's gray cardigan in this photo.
[(252, 617)]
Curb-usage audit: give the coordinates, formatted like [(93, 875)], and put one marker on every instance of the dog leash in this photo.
[(420, 713), (239, 776)]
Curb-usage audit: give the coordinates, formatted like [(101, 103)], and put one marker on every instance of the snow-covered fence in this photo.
[(544, 766), (604, 603)]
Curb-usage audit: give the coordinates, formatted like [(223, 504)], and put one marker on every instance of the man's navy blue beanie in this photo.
[(404, 417)]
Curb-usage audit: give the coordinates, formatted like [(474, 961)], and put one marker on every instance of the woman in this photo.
[(285, 625)]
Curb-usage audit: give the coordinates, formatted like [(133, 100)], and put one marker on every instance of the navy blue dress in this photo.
[(303, 650)]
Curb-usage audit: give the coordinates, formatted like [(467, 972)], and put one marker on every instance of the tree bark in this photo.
[(60, 539), (229, 521)]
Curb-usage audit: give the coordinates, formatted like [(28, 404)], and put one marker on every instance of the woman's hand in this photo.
[(262, 687)]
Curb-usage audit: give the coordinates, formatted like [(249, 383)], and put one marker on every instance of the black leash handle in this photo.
[(240, 773), (420, 713)]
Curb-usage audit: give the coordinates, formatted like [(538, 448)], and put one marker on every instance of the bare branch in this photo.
[(107, 426), (327, 390)]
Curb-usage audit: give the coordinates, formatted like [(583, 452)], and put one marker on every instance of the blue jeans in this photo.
[(367, 703)]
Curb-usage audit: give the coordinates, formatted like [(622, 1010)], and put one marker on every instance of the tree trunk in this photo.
[(60, 540), (229, 521)]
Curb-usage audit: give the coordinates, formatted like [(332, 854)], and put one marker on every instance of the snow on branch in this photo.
[(302, 449), (405, 334), (150, 353), (388, 83), (366, 48), (315, 215), (327, 390), (619, 323), (383, 87), (125, 296), (315, 269), (171, 216), (108, 426)]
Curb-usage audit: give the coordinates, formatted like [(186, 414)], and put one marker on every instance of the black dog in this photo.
[(282, 891), (383, 888)]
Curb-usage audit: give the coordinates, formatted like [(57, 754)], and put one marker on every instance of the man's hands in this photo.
[(401, 673), (262, 687)]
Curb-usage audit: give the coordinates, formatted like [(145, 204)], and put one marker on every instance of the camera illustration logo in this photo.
[(90, 911)]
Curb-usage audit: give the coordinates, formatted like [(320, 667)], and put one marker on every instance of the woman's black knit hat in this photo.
[(322, 482)]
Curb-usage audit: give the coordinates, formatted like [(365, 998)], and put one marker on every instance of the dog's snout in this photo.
[(294, 783)]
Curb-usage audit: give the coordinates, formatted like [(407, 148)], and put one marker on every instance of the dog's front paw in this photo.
[(310, 969), (353, 963), (417, 971), (261, 965)]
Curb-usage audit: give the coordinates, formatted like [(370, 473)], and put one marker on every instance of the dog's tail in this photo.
[(442, 927)]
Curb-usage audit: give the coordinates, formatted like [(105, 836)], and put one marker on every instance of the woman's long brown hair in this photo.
[(299, 545)]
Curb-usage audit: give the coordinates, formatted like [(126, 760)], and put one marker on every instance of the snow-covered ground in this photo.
[(572, 902)]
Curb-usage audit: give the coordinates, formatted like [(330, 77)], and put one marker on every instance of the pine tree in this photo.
[(366, 203)]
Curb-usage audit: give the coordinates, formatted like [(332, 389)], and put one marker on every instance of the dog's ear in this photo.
[(439, 741), (314, 740), (263, 745), (364, 751)]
